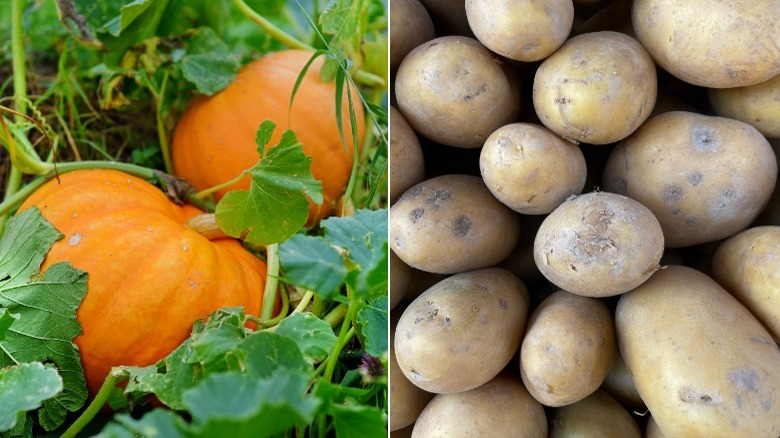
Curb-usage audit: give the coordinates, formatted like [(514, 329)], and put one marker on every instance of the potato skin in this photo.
[(530, 169), (711, 43), (748, 266), (597, 88), (463, 331), (400, 277), (524, 31), (619, 383), (755, 104), (704, 177), (456, 92), (407, 163), (568, 348), (406, 399), (450, 224), (410, 26), (701, 361), (596, 415), (501, 407), (598, 244)]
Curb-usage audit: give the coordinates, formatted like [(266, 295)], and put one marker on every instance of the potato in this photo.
[(406, 399), (407, 163), (711, 43), (702, 362), (568, 348), (524, 31), (400, 276), (599, 244), (705, 178), (597, 88), (619, 383), (456, 92), (501, 407), (748, 266), (410, 26), (463, 331), (451, 223), (598, 415), (757, 105), (530, 169)]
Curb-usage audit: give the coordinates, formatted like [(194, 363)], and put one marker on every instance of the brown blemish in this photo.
[(439, 196), (416, 214), (673, 193), (705, 138), (462, 226), (695, 178)]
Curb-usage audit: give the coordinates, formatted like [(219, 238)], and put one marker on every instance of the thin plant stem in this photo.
[(94, 407), (203, 193), (271, 282), (305, 300)]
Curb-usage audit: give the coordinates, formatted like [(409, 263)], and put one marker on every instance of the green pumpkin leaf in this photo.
[(364, 236), (237, 405), (314, 336), (23, 388), (119, 26), (372, 326), (311, 262), (276, 205), (358, 421), (267, 352), (158, 423), (207, 62), (46, 306)]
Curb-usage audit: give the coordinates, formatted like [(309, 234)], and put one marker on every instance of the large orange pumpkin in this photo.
[(150, 277), (214, 139)]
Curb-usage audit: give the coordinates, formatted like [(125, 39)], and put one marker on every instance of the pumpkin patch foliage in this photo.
[(139, 298)]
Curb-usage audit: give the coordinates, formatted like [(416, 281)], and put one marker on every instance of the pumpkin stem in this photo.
[(206, 225)]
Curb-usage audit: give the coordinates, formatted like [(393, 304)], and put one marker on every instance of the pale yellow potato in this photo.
[(704, 177), (619, 383), (406, 399), (597, 88), (598, 415), (451, 223), (531, 169), (599, 244), (410, 26), (757, 105), (525, 31), (407, 163), (702, 362), (748, 266), (567, 349), (501, 407), (711, 43), (463, 331), (454, 91)]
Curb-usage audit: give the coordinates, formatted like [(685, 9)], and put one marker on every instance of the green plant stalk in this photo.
[(20, 93), (336, 315), (343, 337), (203, 193), (271, 282), (94, 407), (304, 302), (362, 76), (162, 136)]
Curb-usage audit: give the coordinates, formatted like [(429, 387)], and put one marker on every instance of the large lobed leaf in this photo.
[(45, 309)]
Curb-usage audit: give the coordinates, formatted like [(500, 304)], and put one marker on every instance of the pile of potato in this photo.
[(584, 226)]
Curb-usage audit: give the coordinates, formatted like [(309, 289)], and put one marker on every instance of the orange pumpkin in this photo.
[(214, 139), (150, 277)]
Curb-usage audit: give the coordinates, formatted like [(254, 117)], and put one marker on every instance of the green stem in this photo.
[(343, 338), (162, 135), (94, 407), (203, 193), (335, 316), (15, 200), (272, 280), (362, 76), (20, 93), (304, 302)]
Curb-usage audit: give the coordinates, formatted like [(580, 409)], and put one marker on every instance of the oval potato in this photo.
[(407, 162), (598, 415), (757, 105), (702, 362), (406, 399)]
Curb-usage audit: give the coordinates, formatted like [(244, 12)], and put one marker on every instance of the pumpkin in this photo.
[(214, 139), (150, 276)]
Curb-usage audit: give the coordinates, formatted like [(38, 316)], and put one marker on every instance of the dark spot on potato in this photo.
[(673, 193), (705, 138), (676, 212), (475, 308), (467, 98), (705, 399), (440, 195), (408, 334), (695, 178), (412, 193), (691, 395), (762, 341), (503, 304), (432, 314), (728, 193), (462, 226), (447, 320), (744, 379), (562, 100), (573, 268), (691, 220), (416, 214)]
